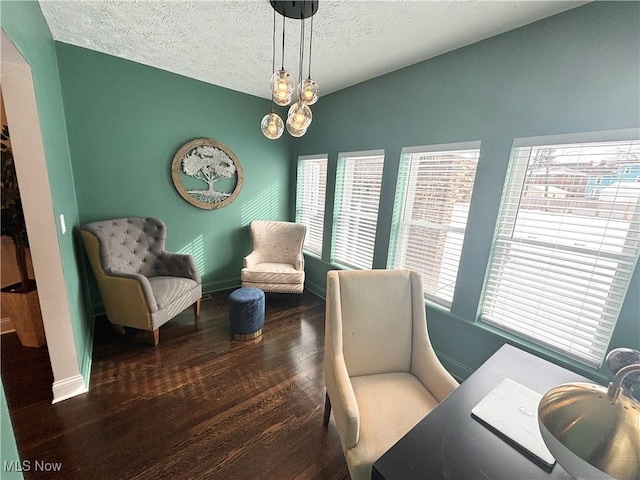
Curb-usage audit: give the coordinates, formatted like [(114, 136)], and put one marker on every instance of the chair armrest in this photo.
[(139, 281), (343, 401), (180, 265), (251, 260), (425, 365), (299, 262), (427, 368)]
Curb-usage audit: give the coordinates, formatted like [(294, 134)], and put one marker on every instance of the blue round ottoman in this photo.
[(246, 313)]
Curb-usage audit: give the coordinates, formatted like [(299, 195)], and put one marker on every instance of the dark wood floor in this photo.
[(199, 405)]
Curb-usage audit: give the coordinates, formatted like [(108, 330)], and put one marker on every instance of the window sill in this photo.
[(494, 334), (312, 255)]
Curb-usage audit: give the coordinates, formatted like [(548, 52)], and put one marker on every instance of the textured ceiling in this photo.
[(229, 43)]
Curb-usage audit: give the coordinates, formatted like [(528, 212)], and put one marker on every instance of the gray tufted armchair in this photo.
[(142, 285)]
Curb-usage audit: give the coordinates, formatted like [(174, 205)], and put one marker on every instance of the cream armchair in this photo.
[(381, 373), (141, 284), (276, 263)]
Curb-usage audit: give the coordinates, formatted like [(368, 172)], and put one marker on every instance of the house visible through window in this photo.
[(310, 198), (430, 215), (565, 247), (358, 182)]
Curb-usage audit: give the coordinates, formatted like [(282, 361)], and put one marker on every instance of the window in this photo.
[(562, 260), (430, 214), (358, 182), (310, 195)]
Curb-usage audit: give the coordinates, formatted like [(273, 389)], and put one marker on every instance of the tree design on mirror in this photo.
[(206, 173)]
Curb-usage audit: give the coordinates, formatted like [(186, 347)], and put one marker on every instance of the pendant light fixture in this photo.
[(308, 90), (272, 125), (299, 117), (282, 84)]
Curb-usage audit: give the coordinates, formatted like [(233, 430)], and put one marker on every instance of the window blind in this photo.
[(311, 188), (430, 216), (358, 182), (566, 244)]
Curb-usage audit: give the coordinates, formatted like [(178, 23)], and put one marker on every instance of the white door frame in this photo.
[(31, 168)]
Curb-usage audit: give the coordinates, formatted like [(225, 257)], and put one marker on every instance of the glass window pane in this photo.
[(358, 183), (310, 199), (566, 244), (430, 216)]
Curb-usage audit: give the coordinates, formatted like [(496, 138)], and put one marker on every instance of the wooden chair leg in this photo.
[(196, 310), (155, 336), (327, 410)]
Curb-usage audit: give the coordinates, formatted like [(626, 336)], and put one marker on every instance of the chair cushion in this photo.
[(390, 405), (167, 289), (272, 273)]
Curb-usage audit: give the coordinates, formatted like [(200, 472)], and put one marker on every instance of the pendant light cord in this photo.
[(273, 44), (273, 52), (284, 19), (301, 64), (310, 44)]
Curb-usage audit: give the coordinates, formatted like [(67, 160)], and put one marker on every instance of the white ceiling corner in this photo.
[(229, 43)]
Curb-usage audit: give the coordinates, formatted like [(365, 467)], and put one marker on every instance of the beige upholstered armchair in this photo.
[(276, 263), (381, 373), (141, 284)]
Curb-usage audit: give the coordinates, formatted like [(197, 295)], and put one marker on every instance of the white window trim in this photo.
[(577, 138), (343, 156), (363, 153), (618, 135), (301, 159), (470, 145), (408, 205)]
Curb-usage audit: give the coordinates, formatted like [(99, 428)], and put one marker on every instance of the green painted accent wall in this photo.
[(8, 448), (126, 121), (578, 71)]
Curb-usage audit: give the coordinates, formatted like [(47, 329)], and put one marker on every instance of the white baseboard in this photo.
[(6, 326), (67, 388)]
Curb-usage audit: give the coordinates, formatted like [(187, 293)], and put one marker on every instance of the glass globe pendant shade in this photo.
[(308, 91), (299, 116), (294, 132), (272, 126), (282, 87)]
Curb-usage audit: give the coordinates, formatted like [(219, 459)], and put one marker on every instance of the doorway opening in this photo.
[(26, 367)]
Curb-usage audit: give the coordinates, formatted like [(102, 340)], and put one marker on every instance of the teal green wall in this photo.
[(125, 123), (24, 24), (8, 448), (575, 72)]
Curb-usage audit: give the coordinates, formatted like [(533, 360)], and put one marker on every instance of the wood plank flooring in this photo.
[(199, 405)]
